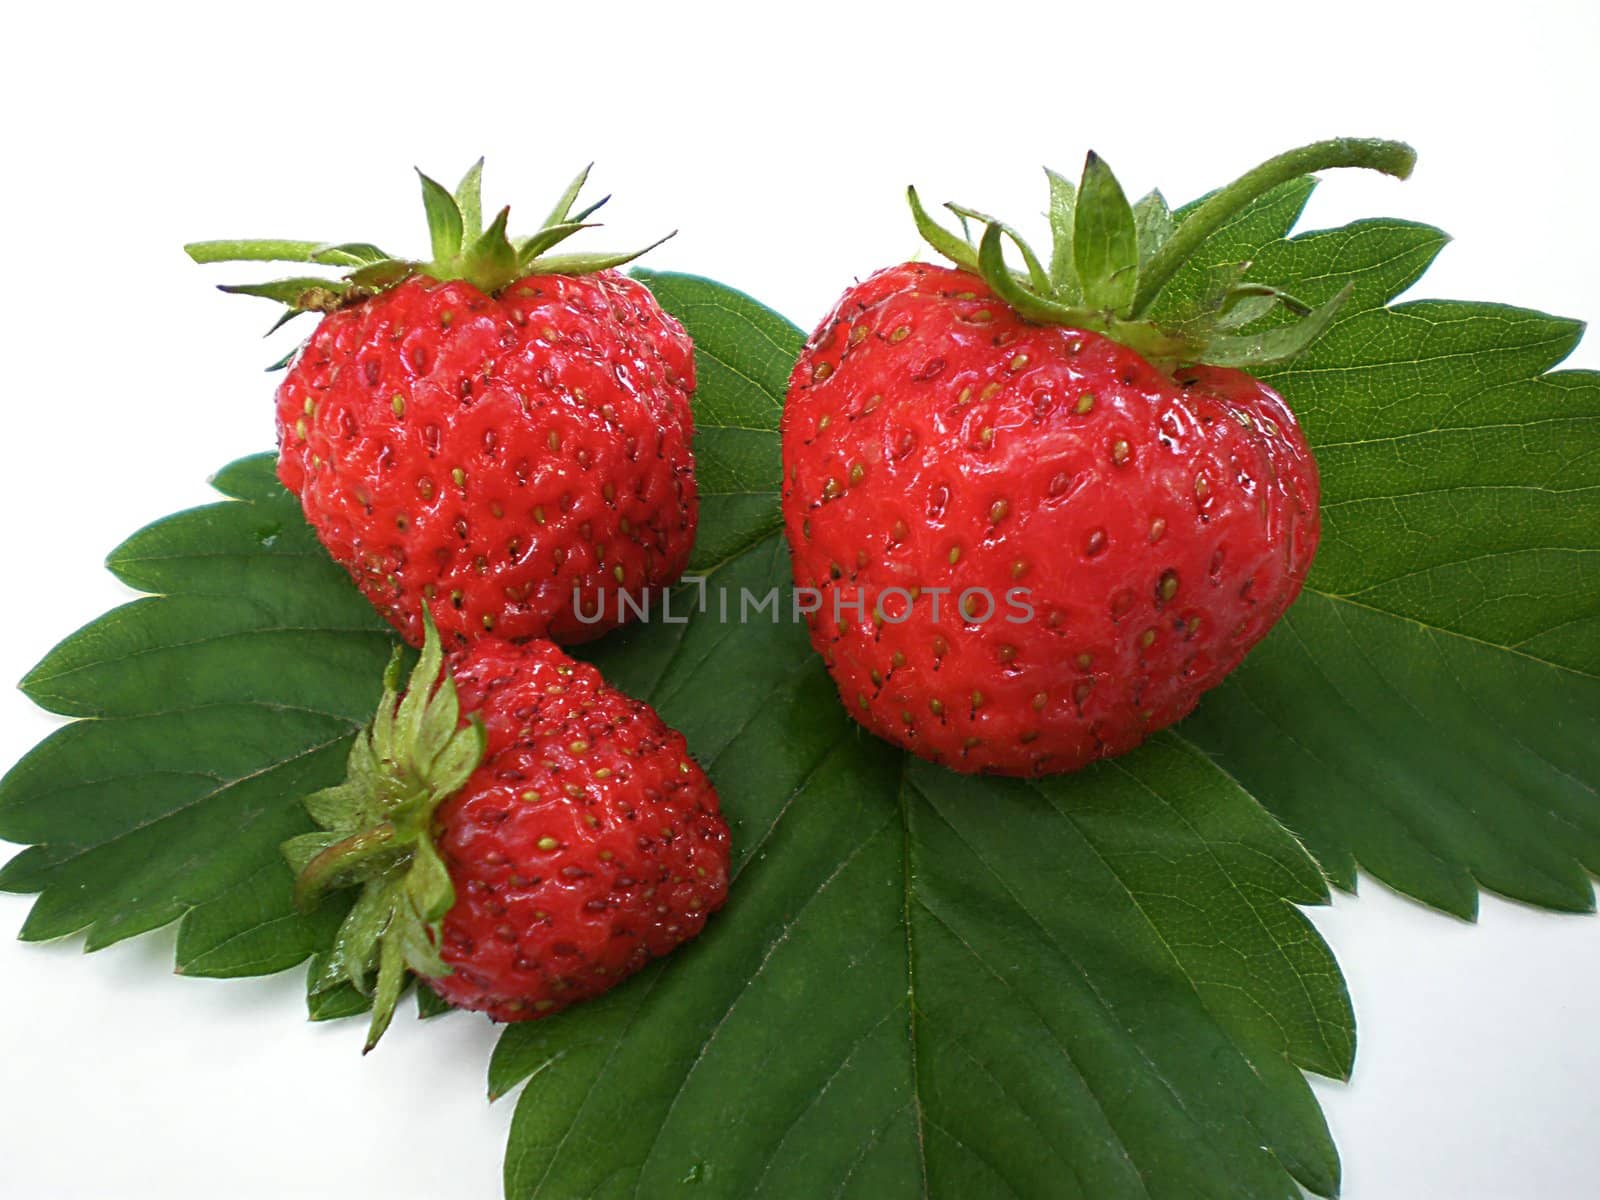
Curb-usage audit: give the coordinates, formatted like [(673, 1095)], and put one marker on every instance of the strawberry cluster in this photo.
[(1044, 508)]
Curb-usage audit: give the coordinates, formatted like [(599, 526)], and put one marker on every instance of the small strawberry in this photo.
[(1042, 521), (492, 434), (524, 836)]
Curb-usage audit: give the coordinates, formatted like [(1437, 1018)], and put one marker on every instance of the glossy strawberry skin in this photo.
[(934, 439), (494, 455), (587, 843)]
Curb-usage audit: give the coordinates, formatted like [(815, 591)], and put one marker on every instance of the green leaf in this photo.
[(337, 1003), (252, 928), (1105, 240), (218, 703), (430, 1003), (743, 355), (1428, 711)]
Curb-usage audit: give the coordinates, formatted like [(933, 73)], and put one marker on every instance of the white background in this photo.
[(779, 141)]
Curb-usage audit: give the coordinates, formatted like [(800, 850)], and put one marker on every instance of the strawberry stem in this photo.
[(1392, 158)]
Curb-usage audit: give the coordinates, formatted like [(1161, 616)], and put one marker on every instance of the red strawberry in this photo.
[(1043, 524), (490, 434), (525, 836)]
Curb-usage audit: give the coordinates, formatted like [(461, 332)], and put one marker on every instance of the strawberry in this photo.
[(1042, 522), (524, 835), (500, 435)]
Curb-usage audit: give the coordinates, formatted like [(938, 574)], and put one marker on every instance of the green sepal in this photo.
[(332, 808), (288, 358), (302, 294), (352, 859), (1158, 345), (1105, 240), (551, 235), (1037, 275), (284, 318), (992, 266), (354, 954), (444, 220), (583, 214), (558, 214), (489, 263), (376, 835), (429, 890), (254, 250), (1063, 216), (588, 264), (350, 254), (375, 277), (1278, 344), (1246, 305), (328, 254), (1152, 222), (1110, 261), (957, 250), (460, 248), (391, 979), (469, 201)]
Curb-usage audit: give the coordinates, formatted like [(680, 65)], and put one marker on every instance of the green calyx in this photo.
[(462, 248), (1111, 260), (376, 836)]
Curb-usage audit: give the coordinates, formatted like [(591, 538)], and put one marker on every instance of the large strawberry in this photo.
[(500, 434), (1043, 520), (524, 836)]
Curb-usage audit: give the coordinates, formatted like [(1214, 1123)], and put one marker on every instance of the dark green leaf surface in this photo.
[(743, 353), (1430, 709), (216, 703)]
